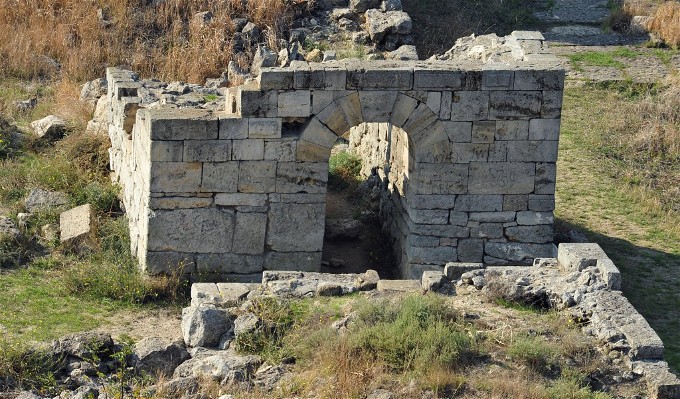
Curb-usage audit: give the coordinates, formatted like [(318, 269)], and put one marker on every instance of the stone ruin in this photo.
[(466, 146)]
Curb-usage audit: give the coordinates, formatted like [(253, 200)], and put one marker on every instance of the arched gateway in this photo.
[(471, 151)]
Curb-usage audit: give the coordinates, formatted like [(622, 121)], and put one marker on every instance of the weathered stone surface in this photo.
[(454, 270), (257, 177), (39, 199), (519, 252), (342, 229), (233, 128), (399, 286), (248, 150), (470, 250), (220, 177), (206, 151), (514, 104), (296, 227), (537, 234), (203, 326), (8, 227), (50, 127), (301, 177), (176, 177), (153, 355), (249, 233), (246, 323), (85, 345), (432, 280), (577, 256), (75, 223), (191, 230), (225, 367), (501, 178), (303, 261), (470, 105), (229, 263), (661, 382), (379, 24)]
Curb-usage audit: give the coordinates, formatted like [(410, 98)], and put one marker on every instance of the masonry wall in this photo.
[(472, 151)]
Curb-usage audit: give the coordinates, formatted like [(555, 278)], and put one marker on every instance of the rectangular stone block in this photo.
[(424, 216), (207, 150), (300, 198), (434, 101), (296, 103), (427, 78), (75, 223), (539, 80), (440, 230), (487, 230), (523, 253), (307, 78), (536, 234), (470, 105), (316, 132), (483, 131), (308, 151), (423, 241), (156, 263), (167, 151), (514, 104), (431, 201), (229, 263), (220, 177), (296, 177), (497, 79), (469, 152), (258, 104), (179, 124), (403, 108), (454, 270), (494, 217), (257, 177), (542, 203), (283, 150), (501, 178), (552, 104), (233, 128), (320, 100), (458, 218), (175, 177), (470, 250), (240, 199), (532, 151), (440, 179), (201, 230), (479, 203), (517, 202), (264, 128), (544, 129), (367, 79), (534, 218), (512, 130), (498, 151), (420, 120), (179, 202), (437, 256), (376, 106), (275, 79), (249, 233), (296, 227), (458, 132), (297, 261), (336, 78), (248, 150), (578, 256)]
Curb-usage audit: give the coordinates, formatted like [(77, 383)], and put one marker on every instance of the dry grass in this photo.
[(666, 22), (154, 38)]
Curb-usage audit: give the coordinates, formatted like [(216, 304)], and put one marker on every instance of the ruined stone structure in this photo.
[(468, 155)]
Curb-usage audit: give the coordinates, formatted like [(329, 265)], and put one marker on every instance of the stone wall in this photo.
[(472, 147)]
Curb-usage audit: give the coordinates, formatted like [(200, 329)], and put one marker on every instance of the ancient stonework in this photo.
[(467, 150)]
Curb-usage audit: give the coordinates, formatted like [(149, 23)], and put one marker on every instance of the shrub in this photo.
[(343, 169), (22, 368), (10, 139), (666, 22), (532, 351)]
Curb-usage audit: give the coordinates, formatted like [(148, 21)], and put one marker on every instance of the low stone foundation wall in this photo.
[(471, 149)]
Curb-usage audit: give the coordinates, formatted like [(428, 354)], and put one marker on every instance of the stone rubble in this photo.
[(50, 128)]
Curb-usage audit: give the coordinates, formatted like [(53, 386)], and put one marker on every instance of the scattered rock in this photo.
[(8, 227), (360, 6), (75, 224), (314, 56), (342, 229), (251, 33), (380, 24), (225, 367), (235, 74), (267, 377), (264, 57), (432, 280), (50, 127), (367, 281), (99, 125), (202, 18), (204, 326), (178, 387), (380, 394), (403, 53), (391, 5), (93, 90), (85, 346), (328, 289), (155, 355), (246, 323), (329, 55), (26, 105)]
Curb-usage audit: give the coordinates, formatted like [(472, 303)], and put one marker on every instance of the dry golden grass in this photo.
[(155, 40), (666, 22)]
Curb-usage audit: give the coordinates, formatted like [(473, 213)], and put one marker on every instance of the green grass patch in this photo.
[(595, 58), (532, 351), (343, 170)]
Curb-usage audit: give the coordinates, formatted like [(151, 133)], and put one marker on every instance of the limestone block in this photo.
[(479, 203), (458, 132), (233, 128), (661, 382), (258, 104), (295, 177), (517, 202), (432, 280), (275, 79), (75, 223), (539, 80), (175, 177), (295, 103), (519, 252), (514, 104), (398, 286), (204, 293), (469, 152), (434, 101), (257, 176), (610, 273), (577, 256), (331, 117), (552, 104), (483, 131), (264, 128), (179, 124), (320, 100), (440, 230), (298, 261), (470, 105), (308, 78), (283, 150), (207, 150), (432, 79), (167, 151), (207, 230), (537, 234), (440, 179), (437, 152), (249, 233), (544, 129), (470, 250), (296, 227), (431, 201), (240, 199), (376, 106), (512, 130), (434, 216), (178, 203), (445, 106), (529, 218), (487, 230), (336, 78), (501, 178), (403, 108), (497, 79), (367, 79), (351, 107), (248, 150), (542, 203), (156, 263), (232, 293), (420, 119), (308, 151), (436, 256), (302, 198), (380, 24), (316, 132), (492, 217), (220, 177), (229, 263), (453, 270)]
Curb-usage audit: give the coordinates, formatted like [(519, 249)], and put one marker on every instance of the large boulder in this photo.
[(380, 24), (359, 6), (204, 325), (50, 127), (85, 345), (8, 227), (75, 223), (99, 125), (39, 199), (224, 366), (264, 57), (154, 355), (91, 91)]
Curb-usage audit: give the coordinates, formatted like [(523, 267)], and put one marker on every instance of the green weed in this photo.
[(595, 58), (343, 170), (570, 385), (24, 368), (533, 351)]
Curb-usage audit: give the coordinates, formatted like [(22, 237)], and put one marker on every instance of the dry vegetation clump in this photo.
[(666, 22), (160, 38)]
